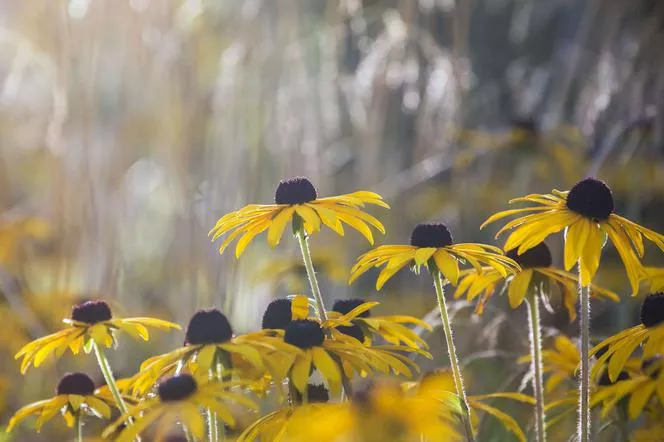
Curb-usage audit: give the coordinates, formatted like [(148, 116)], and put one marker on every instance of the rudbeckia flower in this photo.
[(180, 399), (74, 397), (91, 321), (383, 412), (536, 270), (365, 327), (275, 425), (649, 335), (292, 273), (296, 201), (587, 214), (431, 244), (280, 312), (639, 387), (340, 355), (211, 347)]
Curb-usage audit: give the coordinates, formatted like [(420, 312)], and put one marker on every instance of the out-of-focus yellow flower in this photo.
[(536, 270), (364, 326), (75, 396), (91, 321), (653, 428), (297, 202), (649, 335), (211, 347), (656, 278), (293, 274), (587, 214), (179, 399), (13, 231), (431, 245)]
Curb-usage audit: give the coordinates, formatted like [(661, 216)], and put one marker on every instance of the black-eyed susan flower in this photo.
[(586, 213), (74, 398), (296, 201), (431, 245), (210, 347), (280, 312), (536, 272), (91, 323), (180, 399), (340, 355), (275, 425), (382, 412), (649, 335), (292, 273), (365, 327)]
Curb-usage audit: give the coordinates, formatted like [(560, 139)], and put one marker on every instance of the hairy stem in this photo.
[(454, 361), (107, 372), (311, 274), (584, 427), (536, 364), (79, 427)]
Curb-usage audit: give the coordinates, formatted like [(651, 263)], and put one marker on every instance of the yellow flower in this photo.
[(431, 244), (180, 399), (12, 232), (75, 396), (656, 278), (90, 321), (297, 202), (536, 270), (641, 387), (652, 430), (276, 425), (384, 412), (649, 335), (211, 347), (587, 214), (340, 354), (291, 272), (439, 385), (363, 326)]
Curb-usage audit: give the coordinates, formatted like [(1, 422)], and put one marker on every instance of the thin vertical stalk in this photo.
[(311, 274), (213, 434), (584, 427), (535, 324), (451, 349), (107, 372), (78, 424)]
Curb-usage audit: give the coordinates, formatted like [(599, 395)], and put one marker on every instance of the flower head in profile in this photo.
[(649, 335), (536, 273), (431, 245), (210, 346), (90, 322), (340, 353), (296, 202), (587, 214), (365, 327), (179, 399), (74, 396)]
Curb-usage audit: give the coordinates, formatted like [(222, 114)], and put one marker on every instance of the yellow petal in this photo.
[(447, 265), (639, 399), (518, 288), (299, 307), (300, 371), (328, 368), (278, 225)]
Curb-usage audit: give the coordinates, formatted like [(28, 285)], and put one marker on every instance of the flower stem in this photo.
[(584, 375), (213, 435), (79, 427), (308, 264), (454, 361), (536, 363), (107, 372)]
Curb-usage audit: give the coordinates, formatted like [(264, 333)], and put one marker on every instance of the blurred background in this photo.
[(127, 127)]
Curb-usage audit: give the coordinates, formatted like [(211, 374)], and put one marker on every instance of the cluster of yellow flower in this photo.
[(309, 358)]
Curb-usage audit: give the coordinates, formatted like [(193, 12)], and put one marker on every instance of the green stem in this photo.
[(79, 427), (107, 372), (308, 264), (451, 350), (584, 375), (536, 364)]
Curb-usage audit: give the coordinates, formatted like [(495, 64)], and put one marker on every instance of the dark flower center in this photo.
[(75, 383), (605, 380), (315, 393), (652, 309), (278, 314), (176, 388), (208, 326), (295, 191), (652, 366), (431, 235), (345, 306), (354, 331), (525, 124), (538, 256), (591, 198), (304, 333), (91, 312)]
